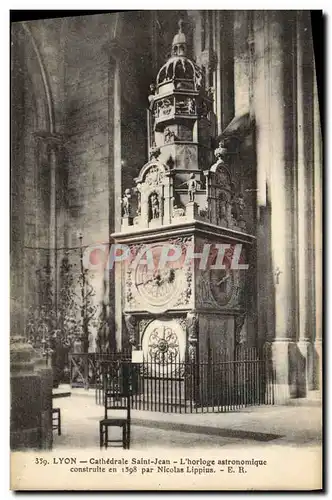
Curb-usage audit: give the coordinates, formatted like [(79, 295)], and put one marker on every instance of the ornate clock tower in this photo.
[(183, 196)]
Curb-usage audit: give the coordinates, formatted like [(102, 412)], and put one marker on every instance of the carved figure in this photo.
[(192, 187), (239, 322), (169, 135), (210, 92), (131, 324), (222, 208), (154, 206), (165, 107), (181, 107), (192, 329), (229, 213), (178, 212), (192, 324), (126, 205), (240, 206), (154, 176), (151, 96), (154, 151), (204, 110), (198, 78), (220, 153), (191, 105)]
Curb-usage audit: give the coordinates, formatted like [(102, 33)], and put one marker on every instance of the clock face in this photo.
[(222, 282), (158, 286), (164, 345)]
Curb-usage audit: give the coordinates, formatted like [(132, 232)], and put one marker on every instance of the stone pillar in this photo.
[(265, 282), (275, 120), (241, 62), (305, 203), (46, 402), (31, 399), (50, 144), (116, 56), (224, 73), (318, 235)]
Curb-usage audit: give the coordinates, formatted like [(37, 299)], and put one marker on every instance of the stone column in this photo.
[(51, 143), (224, 73), (30, 388), (318, 235), (116, 276), (261, 108), (275, 120), (241, 62), (305, 247), (281, 188)]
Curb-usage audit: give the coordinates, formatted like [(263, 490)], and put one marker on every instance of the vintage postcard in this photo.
[(166, 251)]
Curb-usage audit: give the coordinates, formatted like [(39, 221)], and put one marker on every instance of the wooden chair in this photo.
[(56, 420), (117, 414)]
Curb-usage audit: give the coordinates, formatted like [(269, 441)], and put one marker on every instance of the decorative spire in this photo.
[(179, 45)]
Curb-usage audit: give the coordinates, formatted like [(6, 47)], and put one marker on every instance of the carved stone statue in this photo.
[(191, 105), (238, 207), (131, 324), (154, 206), (169, 136), (154, 151), (154, 176), (220, 153), (222, 206), (126, 205), (203, 110), (152, 91), (181, 107), (239, 322), (210, 92), (192, 185), (165, 107), (192, 329), (178, 211)]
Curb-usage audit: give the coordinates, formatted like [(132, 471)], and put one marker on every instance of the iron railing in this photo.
[(217, 384), (85, 368)]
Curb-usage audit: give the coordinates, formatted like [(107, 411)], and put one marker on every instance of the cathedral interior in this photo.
[(149, 127)]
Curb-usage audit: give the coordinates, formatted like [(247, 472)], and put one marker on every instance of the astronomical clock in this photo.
[(184, 201)]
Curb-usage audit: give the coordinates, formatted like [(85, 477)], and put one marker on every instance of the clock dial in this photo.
[(222, 285), (164, 345), (156, 286)]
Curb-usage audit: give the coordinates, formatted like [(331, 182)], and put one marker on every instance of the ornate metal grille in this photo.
[(163, 346)]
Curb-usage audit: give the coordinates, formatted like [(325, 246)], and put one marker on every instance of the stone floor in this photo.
[(295, 425)]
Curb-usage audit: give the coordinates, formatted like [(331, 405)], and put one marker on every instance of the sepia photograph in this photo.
[(166, 221)]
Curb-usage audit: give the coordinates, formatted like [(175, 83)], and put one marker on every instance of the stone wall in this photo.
[(65, 79)]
